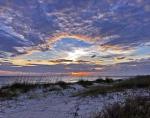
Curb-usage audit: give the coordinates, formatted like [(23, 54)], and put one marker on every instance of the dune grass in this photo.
[(16, 89), (138, 107), (136, 82), (108, 85), (132, 83), (86, 83)]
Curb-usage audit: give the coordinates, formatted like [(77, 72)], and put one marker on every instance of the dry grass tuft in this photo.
[(138, 107)]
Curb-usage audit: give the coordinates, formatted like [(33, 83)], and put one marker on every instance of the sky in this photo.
[(104, 37)]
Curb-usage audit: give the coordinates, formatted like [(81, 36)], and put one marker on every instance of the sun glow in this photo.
[(79, 74), (58, 36), (76, 54)]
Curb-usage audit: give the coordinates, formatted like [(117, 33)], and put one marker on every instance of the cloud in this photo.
[(116, 31), (127, 68), (92, 20)]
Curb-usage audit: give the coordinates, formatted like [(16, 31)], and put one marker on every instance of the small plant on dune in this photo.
[(62, 84), (85, 83), (107, 80), (99, 80)]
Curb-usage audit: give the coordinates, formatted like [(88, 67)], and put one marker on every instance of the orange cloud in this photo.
[(8, 72), (116, 49)]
